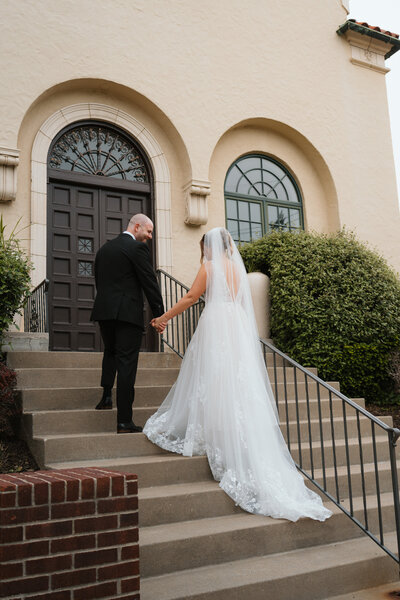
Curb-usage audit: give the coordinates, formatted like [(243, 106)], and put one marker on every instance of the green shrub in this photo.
[(14, 277), (10, 407), (335, 304)]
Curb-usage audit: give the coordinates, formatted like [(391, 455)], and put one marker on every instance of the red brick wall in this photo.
[(69, 535)]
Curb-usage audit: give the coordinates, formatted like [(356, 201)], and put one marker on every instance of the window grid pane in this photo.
[(265, 191)]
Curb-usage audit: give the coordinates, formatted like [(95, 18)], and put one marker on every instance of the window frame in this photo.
[(263, 201)]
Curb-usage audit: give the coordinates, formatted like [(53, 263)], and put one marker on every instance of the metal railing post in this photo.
[(393, 435), (36, 309)]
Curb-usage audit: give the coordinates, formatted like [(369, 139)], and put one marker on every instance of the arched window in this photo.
[(261, 196), (92, 148)]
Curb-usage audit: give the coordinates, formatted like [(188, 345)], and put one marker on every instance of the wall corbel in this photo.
[(9, 159), (196, 194)]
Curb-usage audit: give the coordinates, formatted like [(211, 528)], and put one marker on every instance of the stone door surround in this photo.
[(162, 182)]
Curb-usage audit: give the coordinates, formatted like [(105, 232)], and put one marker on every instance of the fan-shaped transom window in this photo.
[(98, 149), (260, 196)]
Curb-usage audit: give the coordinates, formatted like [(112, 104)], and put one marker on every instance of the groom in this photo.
[(123, 270)]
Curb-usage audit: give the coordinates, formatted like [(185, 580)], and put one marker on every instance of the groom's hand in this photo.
[(158, 325)]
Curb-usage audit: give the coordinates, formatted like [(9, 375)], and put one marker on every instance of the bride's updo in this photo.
[(202, 248), (226, 242)]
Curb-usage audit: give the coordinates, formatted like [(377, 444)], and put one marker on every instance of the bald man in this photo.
[(123, 270)]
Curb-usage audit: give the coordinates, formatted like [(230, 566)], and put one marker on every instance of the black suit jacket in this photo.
[(123, 270)]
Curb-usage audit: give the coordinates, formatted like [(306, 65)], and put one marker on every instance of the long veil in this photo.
[(227, 281)]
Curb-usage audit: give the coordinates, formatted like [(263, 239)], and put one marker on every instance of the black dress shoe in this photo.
[(128, 428), (105, 403)]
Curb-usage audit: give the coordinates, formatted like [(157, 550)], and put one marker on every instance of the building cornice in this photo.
[(370, 46)]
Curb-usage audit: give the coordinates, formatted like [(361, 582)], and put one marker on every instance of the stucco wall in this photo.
[(211, 81)]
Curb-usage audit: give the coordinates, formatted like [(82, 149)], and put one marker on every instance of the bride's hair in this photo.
[(226, 242), (202, 248)]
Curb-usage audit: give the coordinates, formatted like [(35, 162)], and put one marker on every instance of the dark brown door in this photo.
[(83, 213)]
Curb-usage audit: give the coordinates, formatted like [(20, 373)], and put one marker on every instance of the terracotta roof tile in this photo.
[(375, 28)]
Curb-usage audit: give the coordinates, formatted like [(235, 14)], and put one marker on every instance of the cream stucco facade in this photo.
[(200, 84)]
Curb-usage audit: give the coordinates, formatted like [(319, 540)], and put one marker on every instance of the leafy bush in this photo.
[(14, 277), (394, 369), (10, 408), (335, 304)]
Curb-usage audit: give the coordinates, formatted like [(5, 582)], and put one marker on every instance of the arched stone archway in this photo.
[(96, 111), (293, 150)]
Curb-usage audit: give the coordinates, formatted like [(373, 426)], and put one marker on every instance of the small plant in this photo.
[(15, 270), (10, 409)]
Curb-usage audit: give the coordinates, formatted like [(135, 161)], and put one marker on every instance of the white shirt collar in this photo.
[(129, 233)]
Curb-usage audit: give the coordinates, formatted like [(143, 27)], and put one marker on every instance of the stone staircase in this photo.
[(194, 543)]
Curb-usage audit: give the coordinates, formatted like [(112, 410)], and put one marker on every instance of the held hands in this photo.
[(159, 324)]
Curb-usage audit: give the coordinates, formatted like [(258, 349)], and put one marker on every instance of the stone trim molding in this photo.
[(162, 181), (196, 192), (25, 341), (9, 160)]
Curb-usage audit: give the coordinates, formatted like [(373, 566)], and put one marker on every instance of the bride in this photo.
[(222, 404)]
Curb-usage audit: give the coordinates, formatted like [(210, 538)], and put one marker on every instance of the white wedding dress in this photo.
[(222, 403)]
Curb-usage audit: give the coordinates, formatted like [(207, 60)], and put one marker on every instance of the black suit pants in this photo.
[(121, 353)]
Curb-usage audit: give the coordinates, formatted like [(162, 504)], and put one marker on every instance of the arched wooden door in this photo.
[(97, 179)]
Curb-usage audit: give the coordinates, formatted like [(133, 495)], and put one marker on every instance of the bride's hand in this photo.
[(159, 324)]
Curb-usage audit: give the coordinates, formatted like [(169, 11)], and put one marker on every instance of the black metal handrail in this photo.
[(312, 437), (306, 443), (36, 309), (180, 330)]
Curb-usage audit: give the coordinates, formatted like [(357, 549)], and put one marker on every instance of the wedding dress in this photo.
[(222, 404)]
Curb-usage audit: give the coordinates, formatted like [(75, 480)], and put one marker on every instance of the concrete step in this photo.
[(213, 540), (202, 542), (312, 429), (278, 362), (55, 378), (388, 591), (91, 421), (42, 397), (306, 453), (313, 573), (20, 360), (171, 469), (316, 408), (54, 448), (79, 421), (341, 490), (68, 360), (183, 502), (153, 470), (286, 392), (75, 398), (199, 500), (63, 377)]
